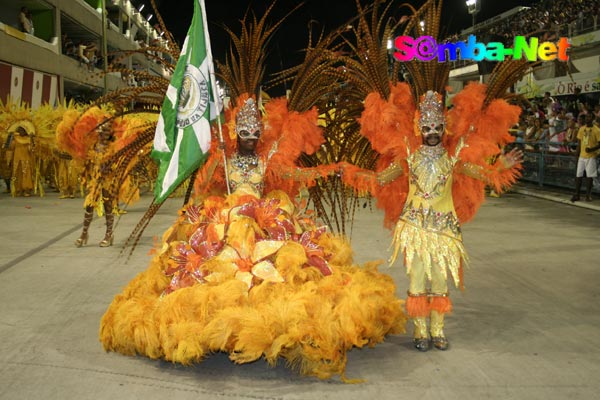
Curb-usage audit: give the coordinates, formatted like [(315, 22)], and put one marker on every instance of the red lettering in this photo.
[(404, 45)]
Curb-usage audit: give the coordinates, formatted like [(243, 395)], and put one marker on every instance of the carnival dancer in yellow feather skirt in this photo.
[(248, 274)]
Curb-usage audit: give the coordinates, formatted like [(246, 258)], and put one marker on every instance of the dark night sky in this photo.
[(292, 35)]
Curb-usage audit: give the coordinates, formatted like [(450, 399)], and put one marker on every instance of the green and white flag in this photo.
[(182, 138)]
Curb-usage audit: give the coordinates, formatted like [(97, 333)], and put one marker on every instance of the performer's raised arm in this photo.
[(367, 180), (498, 175)]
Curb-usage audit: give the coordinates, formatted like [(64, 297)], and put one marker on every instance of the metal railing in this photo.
[(551, 168)]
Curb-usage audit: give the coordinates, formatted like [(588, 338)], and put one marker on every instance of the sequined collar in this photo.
[(245, 161), (433, 151)]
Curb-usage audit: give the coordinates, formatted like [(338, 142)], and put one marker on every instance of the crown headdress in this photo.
[(248, 119), (431, 110)]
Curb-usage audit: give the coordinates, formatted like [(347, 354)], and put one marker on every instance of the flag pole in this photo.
[(216, 94)]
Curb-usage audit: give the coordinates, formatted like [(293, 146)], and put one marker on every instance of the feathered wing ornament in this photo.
[(481, 118), (77, 133), (245, 65), (337, 81)]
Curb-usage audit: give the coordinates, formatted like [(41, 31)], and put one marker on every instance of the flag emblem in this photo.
[(193, 98)]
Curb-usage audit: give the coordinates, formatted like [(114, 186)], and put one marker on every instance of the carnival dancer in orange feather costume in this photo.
[(431, 163), (429, 171), (247, 273)]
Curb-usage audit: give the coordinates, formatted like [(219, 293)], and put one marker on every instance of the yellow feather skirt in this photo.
[(308, 318)]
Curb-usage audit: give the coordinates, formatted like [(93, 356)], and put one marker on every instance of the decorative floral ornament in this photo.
[(240, 241)]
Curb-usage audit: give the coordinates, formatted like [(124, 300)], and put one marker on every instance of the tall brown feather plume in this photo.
[(346, 77), (426, 75), (504, 76), (245, 65)]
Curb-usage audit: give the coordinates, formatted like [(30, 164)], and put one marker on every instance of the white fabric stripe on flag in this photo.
[(173, 169), (184, 47), (160, 139), (38, 86), (16, 84), (172, 94), (202, 132), (53, 86), (204, 69)]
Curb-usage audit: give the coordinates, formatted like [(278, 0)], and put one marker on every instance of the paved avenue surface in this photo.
[(525, 328)]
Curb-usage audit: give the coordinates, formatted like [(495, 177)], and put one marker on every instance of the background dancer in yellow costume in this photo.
[(26, 136), (22, 162), (91, 137)]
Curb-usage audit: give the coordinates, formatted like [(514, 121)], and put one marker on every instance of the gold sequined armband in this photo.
[(389, 174), (474, 171)]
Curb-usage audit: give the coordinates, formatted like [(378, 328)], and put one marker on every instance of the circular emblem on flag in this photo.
[(193, 97)]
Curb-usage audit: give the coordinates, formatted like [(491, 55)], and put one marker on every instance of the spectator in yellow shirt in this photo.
[(588, 144)]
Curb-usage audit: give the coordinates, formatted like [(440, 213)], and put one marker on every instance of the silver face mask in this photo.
[(432, 129), (248, 124), (431, 119)]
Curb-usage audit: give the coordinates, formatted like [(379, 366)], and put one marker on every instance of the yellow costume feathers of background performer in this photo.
[(91, 137), (26, 136)]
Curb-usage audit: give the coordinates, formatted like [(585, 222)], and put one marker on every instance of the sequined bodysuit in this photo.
[(246, 174), (428, 227)]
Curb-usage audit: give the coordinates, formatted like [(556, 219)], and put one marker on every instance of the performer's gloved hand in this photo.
[(512, 158)]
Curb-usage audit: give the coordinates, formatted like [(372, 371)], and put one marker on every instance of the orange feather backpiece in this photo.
[(485, 131)]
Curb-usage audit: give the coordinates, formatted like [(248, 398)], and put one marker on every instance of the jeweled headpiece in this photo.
[(431, 113), (248, 123)]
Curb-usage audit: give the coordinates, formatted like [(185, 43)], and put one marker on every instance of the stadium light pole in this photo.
[(473, 7), (104, 47)]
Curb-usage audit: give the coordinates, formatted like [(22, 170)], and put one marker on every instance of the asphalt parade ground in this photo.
[(526, 327)]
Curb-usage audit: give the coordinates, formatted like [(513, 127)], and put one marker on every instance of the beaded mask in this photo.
[(431, 114), (248, 124)]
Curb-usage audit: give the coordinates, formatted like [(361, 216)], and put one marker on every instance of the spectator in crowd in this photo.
[(574, 102), (549, 103), (25, 22), (557, 125), (87, 54), (68, 47), (537, 111), (571, 135), (588, 144), (534, 133)]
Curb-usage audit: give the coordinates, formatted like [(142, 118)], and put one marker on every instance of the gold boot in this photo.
[(81, 240), (420, 336), (108, 237), (437, 331), (87, 220)]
